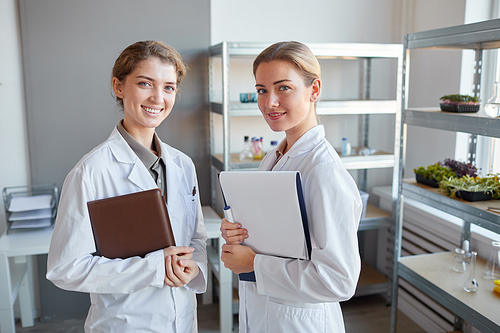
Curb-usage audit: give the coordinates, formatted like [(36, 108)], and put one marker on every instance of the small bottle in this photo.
[(246, 154), (344, 147), (257, 148), (274, 144), (492, 107)]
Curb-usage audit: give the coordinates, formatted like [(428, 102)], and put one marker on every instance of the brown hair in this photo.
[(295, 53), (129, 59)]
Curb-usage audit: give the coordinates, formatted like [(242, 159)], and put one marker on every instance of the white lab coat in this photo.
[(293, 295), (127, 295)]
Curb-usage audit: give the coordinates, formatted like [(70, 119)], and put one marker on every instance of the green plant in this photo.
[(460, 99), (467, 183), (435, 171)]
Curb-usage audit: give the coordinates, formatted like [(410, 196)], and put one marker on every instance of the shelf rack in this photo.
[(426, 272), (371, 281)]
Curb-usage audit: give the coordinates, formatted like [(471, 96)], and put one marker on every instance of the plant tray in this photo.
[(426, 181), (465, 108), (474, 196)]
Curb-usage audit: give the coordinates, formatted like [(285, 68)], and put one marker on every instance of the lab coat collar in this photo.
[(303, 145), (307, 141), (124, 154), (139, 175)]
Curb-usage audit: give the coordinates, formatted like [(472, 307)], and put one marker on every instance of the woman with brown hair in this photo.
[(292, 295), (155, 293)]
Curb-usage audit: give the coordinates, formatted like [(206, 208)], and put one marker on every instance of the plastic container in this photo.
[(364, 199), (460, 108), (426, 181)]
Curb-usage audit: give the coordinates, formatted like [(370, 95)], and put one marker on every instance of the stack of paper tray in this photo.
[(30, 207)]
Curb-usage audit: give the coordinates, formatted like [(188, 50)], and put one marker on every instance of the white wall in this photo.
[(311, 21), (14, 166)]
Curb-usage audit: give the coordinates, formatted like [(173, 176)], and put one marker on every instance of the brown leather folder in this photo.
[(130, 225)]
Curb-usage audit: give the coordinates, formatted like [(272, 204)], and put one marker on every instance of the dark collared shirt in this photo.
[(154, 164)]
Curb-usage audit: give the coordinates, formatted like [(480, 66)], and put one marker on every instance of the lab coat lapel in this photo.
[(138, 175), (174, 173), (139, 178)]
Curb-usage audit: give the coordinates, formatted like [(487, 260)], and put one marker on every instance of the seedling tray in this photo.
[(460, 108), (426, 181), (474, 196)]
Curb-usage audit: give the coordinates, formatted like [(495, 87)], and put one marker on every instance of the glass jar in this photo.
[(492, 107), (458, 261), (492, 269)]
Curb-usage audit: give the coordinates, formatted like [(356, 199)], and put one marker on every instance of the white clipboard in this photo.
[(270, 205)]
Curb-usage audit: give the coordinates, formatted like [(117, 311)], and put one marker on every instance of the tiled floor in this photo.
[(361, 314)]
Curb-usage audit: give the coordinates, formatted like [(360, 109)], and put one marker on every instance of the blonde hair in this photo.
[(295, 53), (129, 59)]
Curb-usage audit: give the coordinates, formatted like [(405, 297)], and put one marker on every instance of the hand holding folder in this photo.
[(131, 225), (270, 205)]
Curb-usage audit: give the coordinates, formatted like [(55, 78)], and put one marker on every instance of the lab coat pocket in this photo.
[(298, 317), (190, 206)]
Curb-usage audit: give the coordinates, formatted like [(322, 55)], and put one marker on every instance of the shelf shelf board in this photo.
[(481, 35), (323, 50), (473, 212), (432, 274), (378, 160), (473, 123), (324, 108)]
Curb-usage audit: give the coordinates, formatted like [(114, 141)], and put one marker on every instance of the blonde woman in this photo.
[(292, 295)]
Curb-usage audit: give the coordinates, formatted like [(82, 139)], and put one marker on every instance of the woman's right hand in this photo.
[(233, 233)]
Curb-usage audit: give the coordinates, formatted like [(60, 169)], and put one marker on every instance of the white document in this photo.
[(267, 204), (31, 214), (19, 204)]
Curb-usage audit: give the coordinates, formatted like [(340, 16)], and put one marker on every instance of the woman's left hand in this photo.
[(180, 271), (238, 258)]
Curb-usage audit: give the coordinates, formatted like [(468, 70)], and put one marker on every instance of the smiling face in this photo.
[(148, 95), (285, 101)]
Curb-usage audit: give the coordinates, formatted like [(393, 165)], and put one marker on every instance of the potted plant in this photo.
[(433, 174), (460, 103), (472, 188)]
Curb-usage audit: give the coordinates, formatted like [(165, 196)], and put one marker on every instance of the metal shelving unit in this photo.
[(221, 105), (425, 271)]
